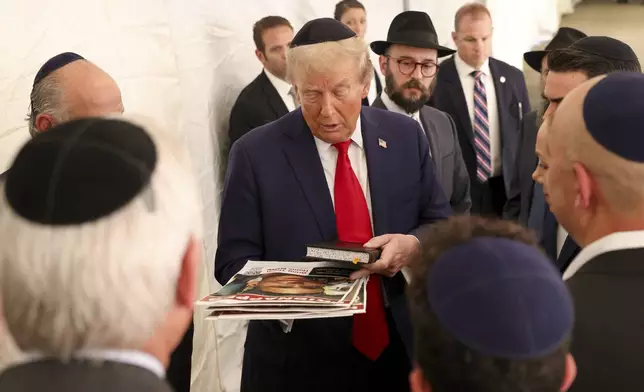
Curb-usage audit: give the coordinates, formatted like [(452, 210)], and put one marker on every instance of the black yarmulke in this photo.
[(606, 47), (56, 63), (80, 171), (614, 114), (321, 30)]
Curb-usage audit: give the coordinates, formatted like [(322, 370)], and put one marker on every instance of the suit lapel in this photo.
[(304, 159), (273, 97), (377, 158), (503, 96), (432, 137), (569, 251), (458, 97)]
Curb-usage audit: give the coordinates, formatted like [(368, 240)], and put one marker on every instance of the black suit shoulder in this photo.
[(253, 107)]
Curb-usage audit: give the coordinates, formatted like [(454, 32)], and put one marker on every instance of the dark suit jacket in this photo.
[(80, 376), (609, 319), (365, 101), (257, 104), (521, 184), (446, 154), (276, 200), (512, 101)]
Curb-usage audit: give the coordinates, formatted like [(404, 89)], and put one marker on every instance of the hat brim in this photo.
[(534, 59), (380, 47)]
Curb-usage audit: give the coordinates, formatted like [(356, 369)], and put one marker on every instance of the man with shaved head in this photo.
[(594, 184)]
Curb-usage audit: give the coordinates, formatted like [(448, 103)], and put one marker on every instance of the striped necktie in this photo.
[(481, 130)]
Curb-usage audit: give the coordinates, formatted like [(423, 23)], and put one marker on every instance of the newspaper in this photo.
[(276, 290)]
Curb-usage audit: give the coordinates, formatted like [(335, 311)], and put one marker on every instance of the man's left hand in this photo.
[(397, 251)]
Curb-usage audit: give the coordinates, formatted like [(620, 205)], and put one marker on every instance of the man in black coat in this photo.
[(269, 96), (487, 99), (593, 184)]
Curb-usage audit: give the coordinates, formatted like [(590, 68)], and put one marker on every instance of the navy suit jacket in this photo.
[(512, 102), (276, 200)]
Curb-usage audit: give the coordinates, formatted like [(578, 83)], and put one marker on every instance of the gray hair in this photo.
[(102, 284), (324, 56), (46, 98)]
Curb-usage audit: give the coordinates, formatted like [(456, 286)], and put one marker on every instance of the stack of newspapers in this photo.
[(277, 290)]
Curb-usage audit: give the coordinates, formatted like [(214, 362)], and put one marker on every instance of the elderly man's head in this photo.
[(99, 224), (595, 176), (331, 71), (68, 87)]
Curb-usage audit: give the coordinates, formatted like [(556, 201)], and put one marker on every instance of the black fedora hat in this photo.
[(564, 37), (411, 28)]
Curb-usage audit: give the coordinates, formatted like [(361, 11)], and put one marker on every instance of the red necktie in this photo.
[(370, 333)]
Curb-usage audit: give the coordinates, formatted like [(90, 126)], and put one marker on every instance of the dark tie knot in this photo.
[(343, 147), (477, 74)]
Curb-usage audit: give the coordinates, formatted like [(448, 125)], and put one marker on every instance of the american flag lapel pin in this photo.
[(382, 143)]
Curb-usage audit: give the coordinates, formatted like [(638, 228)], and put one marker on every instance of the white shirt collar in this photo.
[(323, 146), (465, 69), (393, 107), (283, 88), (130, 357), (612, 242)]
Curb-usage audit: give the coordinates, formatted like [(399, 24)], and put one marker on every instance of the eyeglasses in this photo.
[(408, 67)]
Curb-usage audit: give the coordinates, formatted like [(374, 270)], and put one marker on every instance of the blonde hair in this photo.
[(476, 10), (107, 283), (324, 56)]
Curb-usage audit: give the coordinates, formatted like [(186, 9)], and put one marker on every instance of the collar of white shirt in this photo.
[(283, 88), (465, 69), (612, 242), (130, 357), (393, 107), (323, 146)]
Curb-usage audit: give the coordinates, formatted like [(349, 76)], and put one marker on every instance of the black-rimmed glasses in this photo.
[(408, 66)]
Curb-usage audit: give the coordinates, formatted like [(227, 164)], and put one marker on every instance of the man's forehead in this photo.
[(559, 84), (420, 54)]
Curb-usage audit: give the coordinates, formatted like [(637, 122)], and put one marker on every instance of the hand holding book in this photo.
[(397, 252)]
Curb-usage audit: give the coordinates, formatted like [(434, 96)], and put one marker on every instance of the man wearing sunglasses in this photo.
[(409, 62)]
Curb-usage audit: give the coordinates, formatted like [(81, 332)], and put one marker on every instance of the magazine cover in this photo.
[(269, 283)]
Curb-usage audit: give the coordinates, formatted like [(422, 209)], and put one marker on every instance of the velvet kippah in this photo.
[(80, 171), (606, 47), (614, 113), (321, 30), (501, 298), (55, 63)]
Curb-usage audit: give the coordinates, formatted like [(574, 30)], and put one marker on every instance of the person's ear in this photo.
[(260, 56), (586, 186), (417, 381), (382, 61), (570, 374), (44, 122), (187, 281)]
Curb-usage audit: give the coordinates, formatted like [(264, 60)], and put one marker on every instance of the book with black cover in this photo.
[(342, 251)]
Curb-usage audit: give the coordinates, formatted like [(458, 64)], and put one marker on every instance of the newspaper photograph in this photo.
[(266, 290)]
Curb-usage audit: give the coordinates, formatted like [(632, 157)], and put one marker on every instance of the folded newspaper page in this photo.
[(270, 290)]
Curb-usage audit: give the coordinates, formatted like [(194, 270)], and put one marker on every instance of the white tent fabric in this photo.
[(184, 63)]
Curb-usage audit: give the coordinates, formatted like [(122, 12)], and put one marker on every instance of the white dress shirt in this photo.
[(467, 81), (357, 157), (283, 89), (612, 242), (129, 357)]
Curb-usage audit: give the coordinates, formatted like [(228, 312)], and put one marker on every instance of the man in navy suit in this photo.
[(487, 99), (331, 170)]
